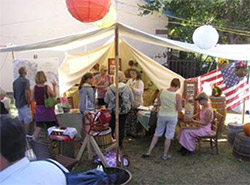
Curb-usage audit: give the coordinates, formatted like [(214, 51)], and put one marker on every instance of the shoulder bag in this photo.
[(49, 101)]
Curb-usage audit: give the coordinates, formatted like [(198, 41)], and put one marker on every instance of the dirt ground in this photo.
[(206, 168)]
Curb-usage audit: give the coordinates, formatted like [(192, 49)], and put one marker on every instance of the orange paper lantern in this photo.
[(88, 10)]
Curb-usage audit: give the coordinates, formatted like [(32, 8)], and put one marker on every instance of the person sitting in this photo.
[(187, 137), (169, 105), (5, 103), (125, 100), (15, 168), (102, 80)]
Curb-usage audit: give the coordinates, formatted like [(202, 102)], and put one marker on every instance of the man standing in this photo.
[(22, 95)]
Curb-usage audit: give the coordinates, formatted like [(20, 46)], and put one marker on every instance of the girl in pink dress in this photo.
[(187, 137)]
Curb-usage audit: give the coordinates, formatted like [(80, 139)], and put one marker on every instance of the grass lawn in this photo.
[(206, 168)]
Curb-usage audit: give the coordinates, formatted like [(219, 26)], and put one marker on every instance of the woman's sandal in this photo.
[(145, 155), (166, 157)]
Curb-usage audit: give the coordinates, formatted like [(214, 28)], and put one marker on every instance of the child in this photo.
[(87, 97)]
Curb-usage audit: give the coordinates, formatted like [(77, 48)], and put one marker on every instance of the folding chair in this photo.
[(42, 151)]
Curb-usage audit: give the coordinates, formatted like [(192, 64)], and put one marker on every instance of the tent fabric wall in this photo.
[(76, 65), (159, 75), (233, 52)]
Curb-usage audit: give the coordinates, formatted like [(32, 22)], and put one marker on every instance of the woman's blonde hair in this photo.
[(103, 67), (121, 76), (40, 77)]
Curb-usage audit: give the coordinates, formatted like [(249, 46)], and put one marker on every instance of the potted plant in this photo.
[(216, 91), (223, 63)]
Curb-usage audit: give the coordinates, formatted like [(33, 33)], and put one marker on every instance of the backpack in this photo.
[(123, 109)]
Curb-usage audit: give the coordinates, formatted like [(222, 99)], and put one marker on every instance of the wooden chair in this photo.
[(215, 131), (42, 151)]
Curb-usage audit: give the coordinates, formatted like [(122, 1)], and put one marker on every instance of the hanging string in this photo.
[(229, 30), (185, 22), (218, 28), (149, 18)]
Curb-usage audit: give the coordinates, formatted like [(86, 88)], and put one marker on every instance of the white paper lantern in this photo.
[(205, 37)]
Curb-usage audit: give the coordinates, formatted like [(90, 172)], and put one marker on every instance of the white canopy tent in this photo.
[(233, 52), (75, 65)]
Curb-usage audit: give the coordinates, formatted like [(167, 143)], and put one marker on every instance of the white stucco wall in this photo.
[(28, 21)]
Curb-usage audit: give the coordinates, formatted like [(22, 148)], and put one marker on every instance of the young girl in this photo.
[(87, 97)]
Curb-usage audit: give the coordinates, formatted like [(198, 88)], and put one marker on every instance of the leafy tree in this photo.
[(230, 17)]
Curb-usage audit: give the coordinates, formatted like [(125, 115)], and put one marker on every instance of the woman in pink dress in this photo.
[(187, 137)]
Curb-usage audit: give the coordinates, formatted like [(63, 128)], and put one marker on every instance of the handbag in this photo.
[(153, 118), (49, 101)]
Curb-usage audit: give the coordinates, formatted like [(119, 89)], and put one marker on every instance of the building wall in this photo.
[(26, 21)]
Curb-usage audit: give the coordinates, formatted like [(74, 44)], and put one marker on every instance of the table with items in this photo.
[(143, 117), (71, 119)]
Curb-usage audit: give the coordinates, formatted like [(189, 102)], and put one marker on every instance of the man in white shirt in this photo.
[(15, 168)]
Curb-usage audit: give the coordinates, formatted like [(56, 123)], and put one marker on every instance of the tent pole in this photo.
[(244, 104), (117, 93), (13, 55)]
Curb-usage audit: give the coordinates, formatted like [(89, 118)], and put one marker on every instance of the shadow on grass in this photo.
[(206, 168)]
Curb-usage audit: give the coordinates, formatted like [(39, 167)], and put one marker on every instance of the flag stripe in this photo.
[(235, 89), (215, 74), (242, 94), (237, 103), (215, 80), (239, 85)]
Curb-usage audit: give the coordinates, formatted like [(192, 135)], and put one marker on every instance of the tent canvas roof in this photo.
[(233, 52), (75, 65), (70, 73)]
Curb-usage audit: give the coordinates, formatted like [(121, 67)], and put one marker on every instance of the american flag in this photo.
[(235, 89)]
